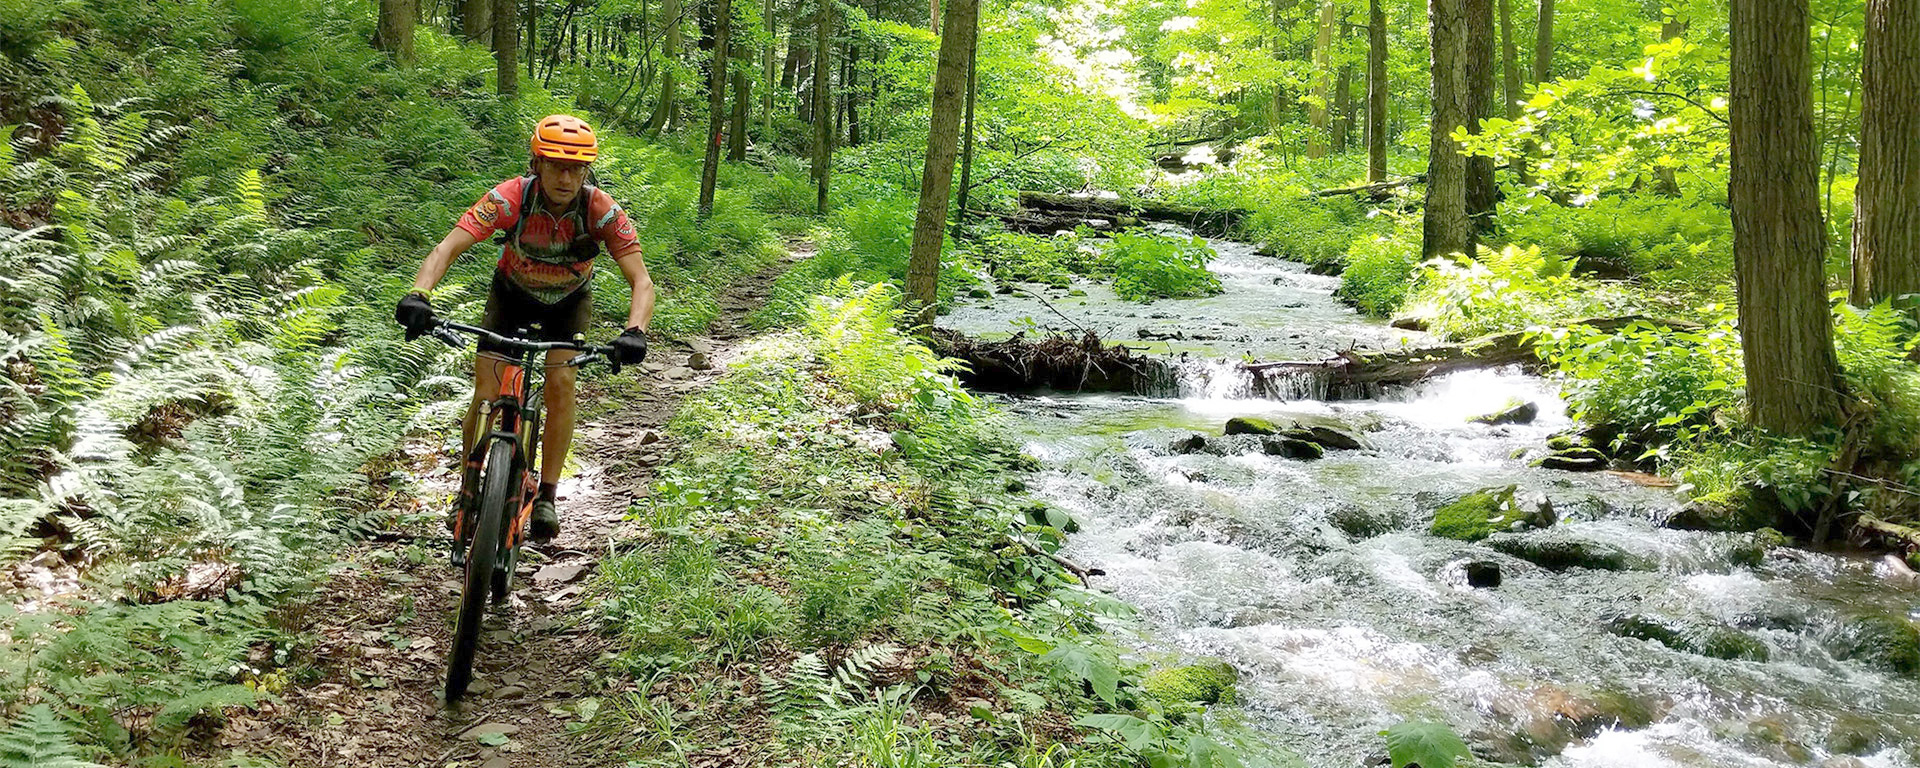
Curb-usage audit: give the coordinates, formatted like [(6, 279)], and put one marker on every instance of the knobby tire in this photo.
[(496, 482)]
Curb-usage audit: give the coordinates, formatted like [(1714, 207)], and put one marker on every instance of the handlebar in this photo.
[(449, 332)]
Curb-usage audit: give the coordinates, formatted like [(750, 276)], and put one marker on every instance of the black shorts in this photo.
[(512, 311)]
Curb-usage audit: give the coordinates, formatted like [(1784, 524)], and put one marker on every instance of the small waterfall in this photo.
[(1212, 379)]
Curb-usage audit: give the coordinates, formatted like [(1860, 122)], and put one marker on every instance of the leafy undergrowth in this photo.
[(838, 570)]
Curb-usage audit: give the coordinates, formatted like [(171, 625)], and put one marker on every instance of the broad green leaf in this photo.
[(1137, 733), (1425, 744)]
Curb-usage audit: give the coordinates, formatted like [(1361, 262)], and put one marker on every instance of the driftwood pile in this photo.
[(1045, 213), (1059, 362)]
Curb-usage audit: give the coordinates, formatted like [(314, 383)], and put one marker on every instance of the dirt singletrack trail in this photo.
[(383, 620)]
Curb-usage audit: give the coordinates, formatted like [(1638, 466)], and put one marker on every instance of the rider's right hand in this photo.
[(415, 315)]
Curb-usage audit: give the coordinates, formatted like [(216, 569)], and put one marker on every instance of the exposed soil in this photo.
[(384, 617)]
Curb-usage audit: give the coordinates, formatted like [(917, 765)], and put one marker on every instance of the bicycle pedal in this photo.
[(459, 555)]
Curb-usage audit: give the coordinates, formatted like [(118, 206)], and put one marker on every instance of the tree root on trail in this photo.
[(1059, 362)]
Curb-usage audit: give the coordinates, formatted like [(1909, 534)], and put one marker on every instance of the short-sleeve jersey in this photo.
[(546, 254)]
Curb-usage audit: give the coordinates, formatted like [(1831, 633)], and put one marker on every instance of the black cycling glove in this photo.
[(415, 315), (630, 347)]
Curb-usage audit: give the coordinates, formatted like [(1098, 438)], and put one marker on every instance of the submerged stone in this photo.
[(1516, 411), (1193, 443), (1752, 513), (1483, 574), (1361, 522), (1712, 641), (1210, 683), (1752, 550), (1556, 551), (1888, 643)]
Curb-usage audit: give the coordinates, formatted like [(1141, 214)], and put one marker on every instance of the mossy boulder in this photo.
[(1250, 425), (1751, 512), (1752, 550), (1209, 683), (1292, 448), (1557, 551), (1516, 411), (1889, 643), (1575, 460), (1478, 515), (1705, 640)]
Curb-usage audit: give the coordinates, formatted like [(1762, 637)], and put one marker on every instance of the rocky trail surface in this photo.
[(384, 617)]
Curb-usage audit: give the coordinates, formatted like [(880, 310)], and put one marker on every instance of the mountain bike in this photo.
[(499, 483)]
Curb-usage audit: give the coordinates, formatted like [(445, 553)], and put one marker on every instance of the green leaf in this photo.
[(493, 739), (1425, 744), (1083, 664), (1137, 733)]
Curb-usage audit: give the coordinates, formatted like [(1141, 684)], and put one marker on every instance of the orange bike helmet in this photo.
[(565, 137)]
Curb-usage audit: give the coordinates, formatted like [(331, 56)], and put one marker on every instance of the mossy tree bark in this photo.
[(394, 32), (742, 100), (822, 109), (1317, 108), (930, 222), (716, 104), (506, 47), (1778, 238), (1444, 228), (1543, 44), (1886, 223), (966, 140), (476, 20), (1376, 93), (1481, 191)]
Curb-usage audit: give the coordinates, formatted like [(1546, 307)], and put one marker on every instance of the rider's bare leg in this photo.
[(560, 411)]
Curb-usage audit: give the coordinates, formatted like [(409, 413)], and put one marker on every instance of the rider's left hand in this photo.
[(630, 347)]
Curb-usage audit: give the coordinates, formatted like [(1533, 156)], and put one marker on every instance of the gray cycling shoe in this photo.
[(545, 522)]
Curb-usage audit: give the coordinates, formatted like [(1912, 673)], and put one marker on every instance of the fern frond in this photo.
[(39, 740)]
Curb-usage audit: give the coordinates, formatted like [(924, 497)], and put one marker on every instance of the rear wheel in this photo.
[(496, 485)]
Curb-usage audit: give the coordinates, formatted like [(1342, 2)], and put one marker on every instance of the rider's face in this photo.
[(560, 180)]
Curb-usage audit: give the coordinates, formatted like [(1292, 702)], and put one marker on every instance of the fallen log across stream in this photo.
[(1059, 362), (1046, 213), (1364, 372)]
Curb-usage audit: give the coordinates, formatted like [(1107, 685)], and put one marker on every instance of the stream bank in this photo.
[(1608, 640)]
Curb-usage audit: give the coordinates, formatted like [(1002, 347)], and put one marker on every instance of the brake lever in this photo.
[(449, 337)]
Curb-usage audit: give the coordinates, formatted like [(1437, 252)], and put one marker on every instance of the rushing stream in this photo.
[(1318, 581)]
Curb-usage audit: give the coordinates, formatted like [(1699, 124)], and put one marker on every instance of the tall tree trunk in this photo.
[(1886, 210), (949, 98), (1510, 76), (1543, 44), (1322, 79), (506, 46), (1482, 194), (1343, 109), (742, 102), (666, 113), (966, 140), (1444, 229), (532, 36), (1376, 93), (394, 34), (716, 104), (933, 15), (767, 73), (822, 109), (851, 89), (1279, 106), (1778, 239), (476, 20)]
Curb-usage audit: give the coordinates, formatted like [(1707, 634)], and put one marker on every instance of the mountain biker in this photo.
[(553, 222)]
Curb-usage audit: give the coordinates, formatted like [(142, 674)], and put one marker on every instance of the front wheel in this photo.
[(496, 486)]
